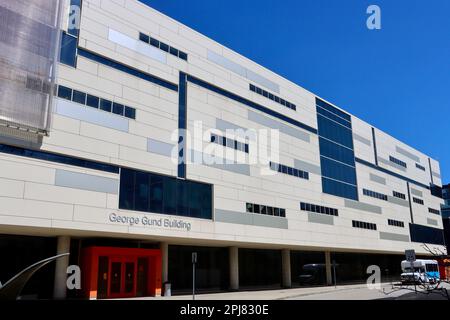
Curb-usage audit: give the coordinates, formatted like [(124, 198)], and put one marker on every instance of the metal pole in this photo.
[(334, 272), (193, 281)]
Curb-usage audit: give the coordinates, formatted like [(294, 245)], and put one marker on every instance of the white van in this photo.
[(422, 271)]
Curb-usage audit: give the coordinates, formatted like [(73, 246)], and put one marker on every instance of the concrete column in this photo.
[(234, 268), (60, 285), (165, 261), (328, 268), (286, 267)]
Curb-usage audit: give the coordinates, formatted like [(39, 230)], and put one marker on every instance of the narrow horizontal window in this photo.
[(289, 170), (418, 201), (229, 143), (96, 102), (272, 97), (318, 209), (418, 166), (396, 223), (397, 161), (434, 211), (399, 195), (364, 225), (374, 194), (265, 210)]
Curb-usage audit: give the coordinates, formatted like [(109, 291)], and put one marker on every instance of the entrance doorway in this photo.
[(122, 279), (121, 272)]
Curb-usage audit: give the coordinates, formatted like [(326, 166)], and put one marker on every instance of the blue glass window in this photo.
[(334, 131), (335, 151), (154, 42), (53, 157), (272, 97), (183, 55), (163, 46), (68, 50), (338, 171), (79, 97), (424, 234), (64, 92), (339, 189), (173, 51), (151, 192), (130, 112), (144, 37), (92, 101), (118, 108), (105, 105)]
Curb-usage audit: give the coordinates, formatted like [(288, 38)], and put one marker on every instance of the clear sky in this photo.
[(396, 78)]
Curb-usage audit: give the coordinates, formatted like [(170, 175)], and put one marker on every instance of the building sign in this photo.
[(150, 222)]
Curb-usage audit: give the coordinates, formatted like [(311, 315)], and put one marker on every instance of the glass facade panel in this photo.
[(337, 156), (68, 50), (149, 192), (339, 189), (338, 171)]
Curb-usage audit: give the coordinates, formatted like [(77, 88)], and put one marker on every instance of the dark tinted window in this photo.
[(68, 50), (150, 192), (130, 113), (105, 105), (64, 92), (92, 101), (144, 37), (79, 97), (118, 108)]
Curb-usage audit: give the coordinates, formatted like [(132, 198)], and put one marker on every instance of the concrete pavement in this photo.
[(346, 292)]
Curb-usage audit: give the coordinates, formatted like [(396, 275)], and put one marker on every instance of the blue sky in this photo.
[(396, 78)]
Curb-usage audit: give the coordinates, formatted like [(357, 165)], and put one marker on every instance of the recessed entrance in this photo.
[(121, 272)]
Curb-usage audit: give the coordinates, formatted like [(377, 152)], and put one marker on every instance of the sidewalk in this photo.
[(345, 292)]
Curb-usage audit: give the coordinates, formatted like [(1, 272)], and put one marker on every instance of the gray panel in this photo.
[(242, 71), (221, 164), (394, 236), (362, 206), (308, 167), (250, 219), (416, 192), (269, 221), (263, 81), (274, 124), (392, 164), (159, 147), (239, 131), (408, 154), (435, 174), (226, 63), (378, 179), (91, 115), (361, 139), (398, 201), (84, 181), (136, 45), (433, 222), (233, 217), (320, 218)]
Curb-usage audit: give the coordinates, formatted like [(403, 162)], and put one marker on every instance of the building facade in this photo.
[(157, 142), (446, 214)]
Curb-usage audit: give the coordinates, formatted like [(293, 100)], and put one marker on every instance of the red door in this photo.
[(122, 277)]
